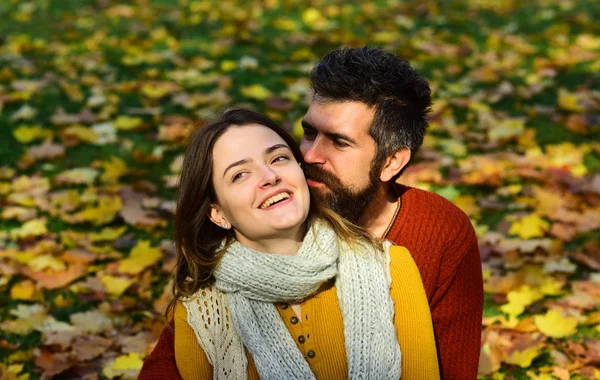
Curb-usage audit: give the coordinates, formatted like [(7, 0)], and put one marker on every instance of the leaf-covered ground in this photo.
[(97, 97)]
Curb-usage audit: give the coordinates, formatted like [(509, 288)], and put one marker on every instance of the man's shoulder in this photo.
[(422, 204)]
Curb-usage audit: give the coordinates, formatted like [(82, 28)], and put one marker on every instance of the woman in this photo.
[(268, 285)]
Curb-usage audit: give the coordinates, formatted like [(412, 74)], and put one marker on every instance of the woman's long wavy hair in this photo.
[(197, 238)]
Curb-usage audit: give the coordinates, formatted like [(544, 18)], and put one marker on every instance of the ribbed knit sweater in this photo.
[(319, 335), (443, 244)]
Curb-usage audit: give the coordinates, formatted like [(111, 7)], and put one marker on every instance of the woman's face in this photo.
[(261, 190)]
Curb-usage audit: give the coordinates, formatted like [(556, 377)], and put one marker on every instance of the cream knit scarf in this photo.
[(252, 281)]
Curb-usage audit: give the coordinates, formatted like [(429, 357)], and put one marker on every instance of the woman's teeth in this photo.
[(275, 199)]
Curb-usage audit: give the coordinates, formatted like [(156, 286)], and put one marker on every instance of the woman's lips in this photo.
[(282, 203)]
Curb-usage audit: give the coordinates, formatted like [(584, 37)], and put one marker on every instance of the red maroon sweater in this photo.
[(444, 246)]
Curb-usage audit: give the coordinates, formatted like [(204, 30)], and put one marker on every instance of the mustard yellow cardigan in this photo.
[(320, 333)]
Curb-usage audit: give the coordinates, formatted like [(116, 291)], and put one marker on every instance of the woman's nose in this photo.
[(270, 177)]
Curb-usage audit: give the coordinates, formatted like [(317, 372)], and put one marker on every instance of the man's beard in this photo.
[(348, 204)]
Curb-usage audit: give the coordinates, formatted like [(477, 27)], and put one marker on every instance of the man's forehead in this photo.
[(350, 116)]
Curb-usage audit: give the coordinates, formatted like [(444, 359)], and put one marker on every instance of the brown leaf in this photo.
[(88, 347), (139, 343), (46, 150), (563, 231), (84, 117), (62, 339), (279, 104), (134, 214), (52, 363), (53, 279)]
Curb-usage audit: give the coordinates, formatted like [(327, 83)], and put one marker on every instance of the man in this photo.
[(366, 121)]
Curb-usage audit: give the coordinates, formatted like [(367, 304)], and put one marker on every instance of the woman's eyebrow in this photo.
[(273, 148), (243, 161), (237, 163)]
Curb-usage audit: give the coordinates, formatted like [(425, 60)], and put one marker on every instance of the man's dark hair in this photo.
[(401, 97)]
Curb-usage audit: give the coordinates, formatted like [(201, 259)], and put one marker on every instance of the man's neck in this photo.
[(380, 213)]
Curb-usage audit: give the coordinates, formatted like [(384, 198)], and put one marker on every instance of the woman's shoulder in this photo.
[(403, 267)]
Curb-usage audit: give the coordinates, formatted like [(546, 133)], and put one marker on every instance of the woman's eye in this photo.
[(280, 158), (238, 176)]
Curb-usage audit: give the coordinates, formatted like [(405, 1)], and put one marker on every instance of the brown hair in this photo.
[(197, 239)]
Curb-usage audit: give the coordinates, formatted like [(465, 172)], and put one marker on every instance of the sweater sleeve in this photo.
[(457, 317), (191, 360), (161, 362), (443, 243)]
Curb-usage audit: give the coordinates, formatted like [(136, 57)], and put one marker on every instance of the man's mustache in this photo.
[(313, 172)]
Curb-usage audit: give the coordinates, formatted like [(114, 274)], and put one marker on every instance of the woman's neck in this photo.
[(286, 243)]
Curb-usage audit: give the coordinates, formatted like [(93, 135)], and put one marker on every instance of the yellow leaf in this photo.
[(141, 256), (284, 23), (108, 234), (454, 147), (554, 325), (256, 91), (569, 101), (297, 130), (81, 133), (78, 176), (468, 204), (228, 65), (127, 123), (24, 290), (506, 129), (385, 37), (116, 285), (529, 227), (302, 55), (479, 107), (588, 41), (25, 134), (524, 358), (113, 170), (125, 366), (519, 299), (40, 263), (127, 362), (155, 91), (22, 214), (550, 286), (105, 212), (542, 376), (35, 227), (311, 16), (568, 155), (512, 308)]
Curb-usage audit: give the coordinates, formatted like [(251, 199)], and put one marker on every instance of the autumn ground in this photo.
[(96, 98)]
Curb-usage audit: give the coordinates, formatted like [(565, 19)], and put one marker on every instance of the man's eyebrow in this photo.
[(306, 125), (339, 136), (331, 135), (243, 161)]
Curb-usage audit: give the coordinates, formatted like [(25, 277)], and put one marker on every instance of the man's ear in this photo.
[(393, 164), (217, 217)]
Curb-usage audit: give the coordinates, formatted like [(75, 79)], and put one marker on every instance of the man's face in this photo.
[(338, 153)]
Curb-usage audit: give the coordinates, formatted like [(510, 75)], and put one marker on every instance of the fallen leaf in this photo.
[(554, 325), (141, 256), (528, 227)]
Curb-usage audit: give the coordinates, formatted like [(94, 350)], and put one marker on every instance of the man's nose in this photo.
[(312, 152)]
